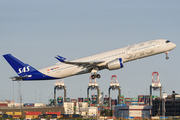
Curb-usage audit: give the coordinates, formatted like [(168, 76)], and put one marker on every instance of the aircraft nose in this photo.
[(173, 45)]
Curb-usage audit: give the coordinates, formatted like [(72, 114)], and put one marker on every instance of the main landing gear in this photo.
[(167, 57), (94, 73), (95, 76)]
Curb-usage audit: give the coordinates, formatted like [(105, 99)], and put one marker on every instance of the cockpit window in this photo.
[(168, 41)]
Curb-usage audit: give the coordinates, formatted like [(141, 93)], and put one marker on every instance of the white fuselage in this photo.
[(129, 53)]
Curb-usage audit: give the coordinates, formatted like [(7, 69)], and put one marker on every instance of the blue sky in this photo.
[(37, 31)]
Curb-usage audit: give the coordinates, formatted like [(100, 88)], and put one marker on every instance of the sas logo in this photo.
[(24, 69)]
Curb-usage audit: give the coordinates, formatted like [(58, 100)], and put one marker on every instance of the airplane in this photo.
[(111, 60)]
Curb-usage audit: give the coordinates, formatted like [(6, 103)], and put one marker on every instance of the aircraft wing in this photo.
[(63, 60)]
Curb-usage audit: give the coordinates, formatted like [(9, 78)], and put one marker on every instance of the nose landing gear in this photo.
[(167, 57)]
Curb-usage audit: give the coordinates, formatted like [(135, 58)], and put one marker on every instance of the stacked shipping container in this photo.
[(128, 101), (80, 99), (106, 100), (68, 100), (60, 101), (86, 100), (147, 99), (51, 102), (93, 99), (134, 101), (122, 99), (141, 99), (113, 102)]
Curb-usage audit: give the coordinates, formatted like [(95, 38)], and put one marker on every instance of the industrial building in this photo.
[(134, 111), (171, 106)]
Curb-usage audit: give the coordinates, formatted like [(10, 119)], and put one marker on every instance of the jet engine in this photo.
[(115, 64)]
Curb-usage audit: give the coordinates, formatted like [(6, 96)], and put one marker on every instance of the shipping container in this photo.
[(121, 104), (141, 100), (134, 99), (113, 101), (73, 100), (39, 104), (6, 116), (59, 100), (33, 113), (128, 99), (80, 99), (16, 116), (92, 104), (86, 100), (68, 100), (3, 105), (32, 116), (14, 113), (28, 104), (57, 113), (48, 116), (134, 104), (106, 100)]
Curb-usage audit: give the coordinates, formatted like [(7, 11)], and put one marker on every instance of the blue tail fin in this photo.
[(20, 67)]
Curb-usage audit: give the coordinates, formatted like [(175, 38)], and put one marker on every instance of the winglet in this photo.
[(61, 59)]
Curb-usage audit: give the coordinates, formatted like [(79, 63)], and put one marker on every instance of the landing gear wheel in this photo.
[(167, 55), (98, 76), (93, 76)]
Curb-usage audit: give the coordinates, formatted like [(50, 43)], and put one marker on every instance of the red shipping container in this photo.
[(29, 106), (33, 113), (80, 99), (74, 103), (58, 113), (92, 104), (141, 100), (3, 105), (73, 100), (16, 116)]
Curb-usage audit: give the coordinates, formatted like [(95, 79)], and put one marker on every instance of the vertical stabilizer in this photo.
[(20, 67)]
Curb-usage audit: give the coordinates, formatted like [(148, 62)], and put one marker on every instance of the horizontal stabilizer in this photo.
[(17, 78)]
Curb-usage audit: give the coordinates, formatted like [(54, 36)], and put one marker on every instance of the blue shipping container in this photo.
[(28, 103), (121, 104), (134, 104)]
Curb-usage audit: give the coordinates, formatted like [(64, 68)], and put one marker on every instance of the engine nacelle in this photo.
[(115, 64)]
